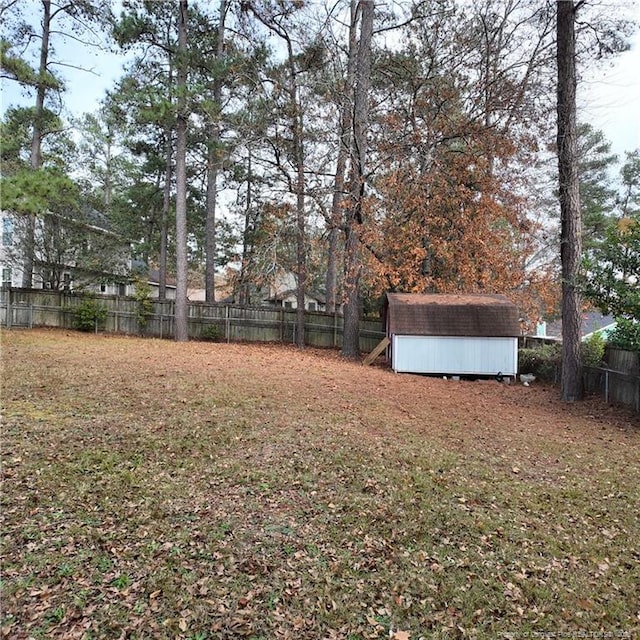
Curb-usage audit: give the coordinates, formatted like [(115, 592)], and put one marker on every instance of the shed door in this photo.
[(455, 355)]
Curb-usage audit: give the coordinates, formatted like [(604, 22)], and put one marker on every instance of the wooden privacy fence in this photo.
[(619, 380), (616, 387), (230, 322)]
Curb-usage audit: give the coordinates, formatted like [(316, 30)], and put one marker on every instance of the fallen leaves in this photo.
[(276, 499)]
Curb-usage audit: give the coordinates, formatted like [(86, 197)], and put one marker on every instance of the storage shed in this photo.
[(451, 334)]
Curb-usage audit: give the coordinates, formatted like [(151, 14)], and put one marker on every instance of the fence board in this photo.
[(616, 387), (37, 307)]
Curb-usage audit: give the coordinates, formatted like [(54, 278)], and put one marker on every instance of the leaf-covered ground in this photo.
[(199, 491)]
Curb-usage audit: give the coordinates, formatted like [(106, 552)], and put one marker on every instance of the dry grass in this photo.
[(200, 491)]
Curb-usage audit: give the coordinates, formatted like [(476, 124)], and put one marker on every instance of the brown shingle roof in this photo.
[(485, 315)]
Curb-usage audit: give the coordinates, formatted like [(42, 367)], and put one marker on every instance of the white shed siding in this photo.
[(455, 355)]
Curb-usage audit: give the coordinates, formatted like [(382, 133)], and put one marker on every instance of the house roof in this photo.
[(592, 321), (282, 295), (482, 315)]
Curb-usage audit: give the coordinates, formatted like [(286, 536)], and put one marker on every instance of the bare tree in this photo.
[(571, 231), (214, 163), (354, 213), (344, 146), (275, 18)]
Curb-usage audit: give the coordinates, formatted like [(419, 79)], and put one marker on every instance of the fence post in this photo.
[(227, 324), (606, 386), (31, 316), (9, 311)]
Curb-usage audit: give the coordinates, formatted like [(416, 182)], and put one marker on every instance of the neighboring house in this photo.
[(194, 293), (11, 277), (289, 300), (592, 322), (69, 253), (280, 290), (452, 334)]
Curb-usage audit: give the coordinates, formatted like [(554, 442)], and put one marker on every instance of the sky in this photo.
[(608, 96)]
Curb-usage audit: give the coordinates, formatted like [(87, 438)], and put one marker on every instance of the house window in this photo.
[(313, 306), (6, 277), (103, 288), (47, 278), (66, 281), (288, 304), (122, 289), (7, 232)]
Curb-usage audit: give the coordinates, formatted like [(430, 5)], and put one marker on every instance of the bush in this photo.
[(89, 315), (211, 332), (626, 335), (543, 362), (144, 303), (592, 350)]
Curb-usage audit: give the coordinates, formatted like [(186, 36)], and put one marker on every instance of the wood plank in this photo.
[(382, 345)]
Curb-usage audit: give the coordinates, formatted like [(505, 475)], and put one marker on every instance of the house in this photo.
[(68, 252), (289, 300), (452, 334), (592, 322), (278, 290)]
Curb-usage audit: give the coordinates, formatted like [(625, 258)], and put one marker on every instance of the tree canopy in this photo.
[(455, 107)]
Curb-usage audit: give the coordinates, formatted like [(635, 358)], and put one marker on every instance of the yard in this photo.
[(200, 491)]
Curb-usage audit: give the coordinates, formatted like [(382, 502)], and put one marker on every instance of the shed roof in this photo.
[(482, 315)]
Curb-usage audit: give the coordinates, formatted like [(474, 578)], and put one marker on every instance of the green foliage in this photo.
[(144, 303), (89, 315), (592, 350), (38, 191), (597, 195), (626, 335), (612, 270), (211, 333), (543, 362), (17, 68)]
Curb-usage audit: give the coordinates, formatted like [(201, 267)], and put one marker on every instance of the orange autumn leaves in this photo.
[(453, 226)]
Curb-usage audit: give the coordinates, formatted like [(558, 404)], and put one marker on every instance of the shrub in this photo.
[(144, 303), (626, 335), (211, 332), (592, 350), (89, 315), (543, 362)]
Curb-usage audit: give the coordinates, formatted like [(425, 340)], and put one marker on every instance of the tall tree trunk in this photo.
[(181, 327), (36, 143), (213, 167), (353, 262), (571, 232), (164, 220), (108, 178), (346, 126), (298, 150), (247, 238)]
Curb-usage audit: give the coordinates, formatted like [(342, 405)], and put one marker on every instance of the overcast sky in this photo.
[(608, 98)]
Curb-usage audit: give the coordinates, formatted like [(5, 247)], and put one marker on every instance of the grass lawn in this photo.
[(200, 491)]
